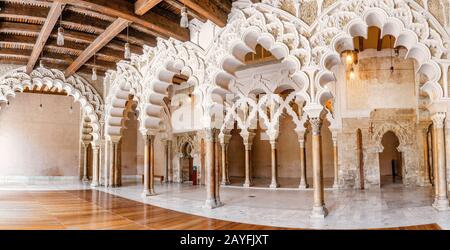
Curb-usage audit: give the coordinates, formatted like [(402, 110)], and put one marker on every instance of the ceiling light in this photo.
[(127, 54), (184, 21), (60, 37), (127, 51), (94, 74)]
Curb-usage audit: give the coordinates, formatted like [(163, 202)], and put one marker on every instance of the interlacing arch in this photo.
[(250, 24), (90, 101), (125, 81), (412, 26)]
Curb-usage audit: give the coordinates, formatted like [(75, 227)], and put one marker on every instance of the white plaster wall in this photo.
[(35, 143)]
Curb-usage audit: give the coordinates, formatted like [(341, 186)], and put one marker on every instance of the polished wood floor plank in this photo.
[(92, 209)]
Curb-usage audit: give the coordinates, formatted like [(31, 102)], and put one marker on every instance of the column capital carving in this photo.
[(224, 137), (248, 137), (316, 124), (438, 120), (210, 134), (149, 139), (114, 138), (424, 125)]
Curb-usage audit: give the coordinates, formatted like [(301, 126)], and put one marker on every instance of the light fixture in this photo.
[(392, 64), (189, 97), (94, 71), (60, 37), (127, 53), (71, 109), (184, 21), (94, 74), (349, 59), (397, 52), (7, 104), (352, 73), (41, 107)]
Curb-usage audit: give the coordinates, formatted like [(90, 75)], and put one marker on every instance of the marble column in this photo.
[(441, 202), (274, 182), (248, 140), (170, 164), (85, 178), (335, 161), (149, 166), (426, 167), (210, 169), (111, 172), (166, 160), (116, 170), (225, 174), (303, 179), (217, 169), (95, 165), (319, 209)]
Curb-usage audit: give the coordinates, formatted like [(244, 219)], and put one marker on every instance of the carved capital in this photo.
[(316, 124), (210, 134), (438, 120)]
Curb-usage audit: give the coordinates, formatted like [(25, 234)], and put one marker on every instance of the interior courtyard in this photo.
[(236, 114)]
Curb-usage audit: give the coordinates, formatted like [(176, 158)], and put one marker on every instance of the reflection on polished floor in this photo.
[(92, 209)]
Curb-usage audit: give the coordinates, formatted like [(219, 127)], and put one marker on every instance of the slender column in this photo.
[(303, 180), (426, 167), (248, 165), (435, 162), (111, 164), (148, 166), (335, 161), (319, 209), (170, 165), (116, 165), (210, 169), (225, 174), (85, 178), (166, 160), (95, 165), (217, 169), (273, 146), (441, 202)]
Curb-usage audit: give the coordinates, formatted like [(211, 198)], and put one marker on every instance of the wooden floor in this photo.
[(91, 209)]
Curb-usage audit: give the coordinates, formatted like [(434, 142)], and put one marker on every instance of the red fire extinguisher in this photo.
[(194, 176)]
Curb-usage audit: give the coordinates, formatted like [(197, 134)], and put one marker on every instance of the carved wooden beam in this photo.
[(52, 18), (164, 26), (142, 6), (209, 9), (115, 28)]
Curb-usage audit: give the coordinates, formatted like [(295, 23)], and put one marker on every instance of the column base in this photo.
[(319, 212), (425, 183), (85, 179), (303, 186), (95, 184), (274, 185), (441, 204), (247, 184), (225, 183), (211, 204), (148, 192), (336, 186)]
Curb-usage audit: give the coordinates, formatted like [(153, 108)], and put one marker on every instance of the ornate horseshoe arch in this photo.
[(76, 86)]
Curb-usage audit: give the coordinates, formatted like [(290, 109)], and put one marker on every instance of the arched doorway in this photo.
[(390, 160), (187, 162)]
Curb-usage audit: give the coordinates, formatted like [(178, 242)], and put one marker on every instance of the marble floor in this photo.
[(392, 206)]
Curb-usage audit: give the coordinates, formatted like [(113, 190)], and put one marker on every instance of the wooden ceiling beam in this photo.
[(52, 18), (115, 28), (142, 6), (191, 12), (164, 26), (209, 9)]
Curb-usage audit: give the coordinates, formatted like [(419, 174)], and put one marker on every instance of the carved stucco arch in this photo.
[(251, 24), (403, 134), (413, 27), (125, 81), (76, 86), (160, 65)]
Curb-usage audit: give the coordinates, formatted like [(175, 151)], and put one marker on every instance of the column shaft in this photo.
[(274, 181), (336, 166), (426, 167), (85, 162), (224, 151), (217, 169), (441, 202), (95, 166), (303, 181), (319, 210), (210, 169), (148, 178), (248, 165)]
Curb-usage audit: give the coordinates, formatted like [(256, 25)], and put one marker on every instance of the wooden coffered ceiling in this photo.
[(28, 29)]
